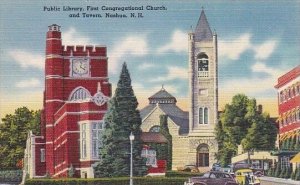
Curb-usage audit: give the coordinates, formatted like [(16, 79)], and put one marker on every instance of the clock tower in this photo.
[(75, 101)]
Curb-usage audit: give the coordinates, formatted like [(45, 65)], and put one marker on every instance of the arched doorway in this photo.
[(202, 155)]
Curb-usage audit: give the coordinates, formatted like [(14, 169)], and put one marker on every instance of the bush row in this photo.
[(11, 175), (182, 174), (109, 181), (284, 172)]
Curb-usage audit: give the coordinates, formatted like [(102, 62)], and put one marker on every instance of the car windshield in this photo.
[(247, 173)]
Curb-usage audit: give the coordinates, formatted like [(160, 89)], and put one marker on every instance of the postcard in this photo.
[(97, 88)]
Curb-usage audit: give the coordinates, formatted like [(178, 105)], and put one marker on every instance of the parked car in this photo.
[(212, 178), (216, 167), (246, 177)]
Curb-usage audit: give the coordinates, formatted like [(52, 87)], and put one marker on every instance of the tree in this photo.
[(164, 130), (233, 125), (121, 119), (261, 135), (13, 135), (242, 123)]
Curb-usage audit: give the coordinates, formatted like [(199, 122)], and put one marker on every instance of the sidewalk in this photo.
[(277, 181)]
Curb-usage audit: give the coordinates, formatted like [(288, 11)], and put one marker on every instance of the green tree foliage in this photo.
[(261, 135), (121, 119), (164, 130), (13, 135), (241, 123)]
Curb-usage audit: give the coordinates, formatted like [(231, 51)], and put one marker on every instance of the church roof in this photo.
[(153, 137), (178, 116), (203, 31), (162, 96)]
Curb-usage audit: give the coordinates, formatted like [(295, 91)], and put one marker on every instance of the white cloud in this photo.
[(261, 67), (178, 43), (145, 66), (265, 50), (253, 85), (73, 37), (174, 72), (129, 46), (30, 83), (232, 49), (27, 59)]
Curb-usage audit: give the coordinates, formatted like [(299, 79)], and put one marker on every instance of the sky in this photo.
[(258, 41)]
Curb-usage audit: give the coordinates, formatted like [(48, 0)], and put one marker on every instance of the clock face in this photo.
[(80, 67), (203, 65)]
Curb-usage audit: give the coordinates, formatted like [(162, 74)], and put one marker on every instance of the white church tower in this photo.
[(203, 82)]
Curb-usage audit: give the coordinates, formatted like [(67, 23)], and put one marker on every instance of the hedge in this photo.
[(11, 175), (109, 181), (182, 174)]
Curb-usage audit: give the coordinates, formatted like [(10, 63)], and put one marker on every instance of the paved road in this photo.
[(277, 181)]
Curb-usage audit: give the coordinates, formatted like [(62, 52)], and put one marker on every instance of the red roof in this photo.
[(153, 137), (294, 73)]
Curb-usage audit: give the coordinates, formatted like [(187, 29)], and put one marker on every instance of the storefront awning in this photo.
[(296, 158)]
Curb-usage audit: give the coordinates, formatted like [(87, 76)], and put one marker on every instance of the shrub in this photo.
[(182, 174), (282, 173), (109, 181), (277, 170), (297, 176), (270, 172), (293, 175), (11, 175), (287, 173)]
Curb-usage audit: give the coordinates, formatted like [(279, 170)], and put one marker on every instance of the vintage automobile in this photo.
[(246, 177), (212, 178)]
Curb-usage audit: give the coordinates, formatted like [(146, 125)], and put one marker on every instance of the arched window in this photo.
[(203, 65), (200, 115), (202, 155), (203, 115), (155, 129), (79, 94)]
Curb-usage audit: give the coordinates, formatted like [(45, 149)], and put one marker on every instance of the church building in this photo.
[(193, 140), (76, 92)]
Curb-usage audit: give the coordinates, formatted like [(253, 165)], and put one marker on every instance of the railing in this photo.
[(203, 74)]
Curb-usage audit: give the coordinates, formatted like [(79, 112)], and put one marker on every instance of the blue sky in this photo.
[(258, 42)]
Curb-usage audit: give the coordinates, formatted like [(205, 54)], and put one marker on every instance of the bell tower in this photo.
[(203, 79)]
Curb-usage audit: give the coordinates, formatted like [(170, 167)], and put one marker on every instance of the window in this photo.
[(203, 92), (200, 115), (83, 141), (79, 94), (42, 155), (154, 129), (203, 65), (203, 115), (281, 97), (150, 155), (97, 128), (202, 155), (285, 161)]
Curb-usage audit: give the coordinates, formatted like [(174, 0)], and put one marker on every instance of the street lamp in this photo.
[(131, 138)]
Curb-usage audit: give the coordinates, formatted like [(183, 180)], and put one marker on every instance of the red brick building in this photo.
[(75, 96), (288, 88)]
